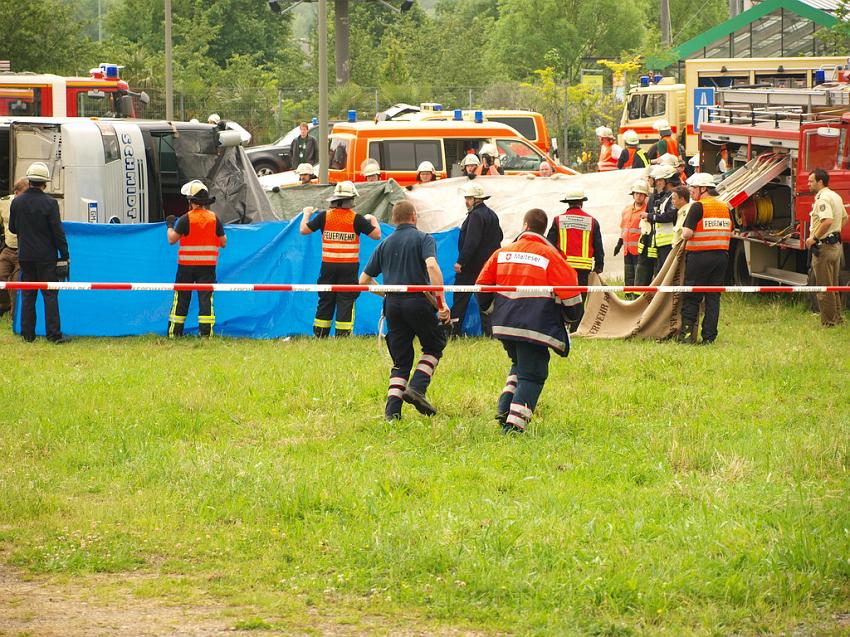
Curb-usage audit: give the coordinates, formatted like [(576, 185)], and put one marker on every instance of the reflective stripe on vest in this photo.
[(714, 230), (340, 243), (574, 238), (635, 152), (631, 235), (201, 245), (664, 231)]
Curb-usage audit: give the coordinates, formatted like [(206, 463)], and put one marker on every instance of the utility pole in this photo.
[(666, 39), (169, 87), (323, 91), (341, 31), (734, 8)]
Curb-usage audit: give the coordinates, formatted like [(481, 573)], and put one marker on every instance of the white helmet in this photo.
[(470, 160), (704, 180), (663, 171), (426, 167), (661, 125), (668, 159), (304, 169), (213, 119), (489, 149), (472, 189), (574, 193), (641, 187), (197, 191), (371, 167), (38, 172), (604, 131), (694, 161), (630, 138), (344, 190)]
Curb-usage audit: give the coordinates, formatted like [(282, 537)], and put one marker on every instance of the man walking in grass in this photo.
[(409, 257), (529, 323)]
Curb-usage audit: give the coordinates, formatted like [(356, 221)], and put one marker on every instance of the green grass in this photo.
[(662, 489)]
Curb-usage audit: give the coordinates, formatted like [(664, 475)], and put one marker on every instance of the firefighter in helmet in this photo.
[(306, 173), (341, 228), (201, 236), (470, 164)]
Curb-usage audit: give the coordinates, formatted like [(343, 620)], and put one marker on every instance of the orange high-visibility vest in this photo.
[(200, 246), (606, 161), (714, 230), (635, 152), (575, 238), (672, 145), (630, 226), (340, 243)]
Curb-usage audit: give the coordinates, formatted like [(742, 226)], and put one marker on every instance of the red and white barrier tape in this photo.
[(306, 287)]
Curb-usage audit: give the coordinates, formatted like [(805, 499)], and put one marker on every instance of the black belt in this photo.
[(832, 238)]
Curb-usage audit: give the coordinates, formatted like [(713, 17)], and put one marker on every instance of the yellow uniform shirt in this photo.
[(828, 205), (5, 211)]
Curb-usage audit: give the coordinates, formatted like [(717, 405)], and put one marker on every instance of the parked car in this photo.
[(268, 159)]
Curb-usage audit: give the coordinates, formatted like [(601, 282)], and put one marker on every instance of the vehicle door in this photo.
[(399, 158), (38, 142)]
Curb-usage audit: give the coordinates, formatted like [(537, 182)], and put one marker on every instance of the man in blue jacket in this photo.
[(42, 251), (480, 236)]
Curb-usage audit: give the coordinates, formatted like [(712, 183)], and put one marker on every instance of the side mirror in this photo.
[(125, 106), (144, 98)]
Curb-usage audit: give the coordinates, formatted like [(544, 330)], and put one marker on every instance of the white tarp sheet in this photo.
[(440, 205)]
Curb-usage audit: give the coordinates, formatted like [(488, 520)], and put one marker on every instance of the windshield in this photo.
[(519, 155), (339, 153)]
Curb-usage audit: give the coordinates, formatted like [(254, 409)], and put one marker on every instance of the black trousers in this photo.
[(706, 267), (40, 271), (663, 253), (460, 303), (180, 307), (583, 279), (339, 303), (644, 269), (411, 316), (528, 373)]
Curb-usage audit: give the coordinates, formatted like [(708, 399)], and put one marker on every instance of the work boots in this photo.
[(687, 334)]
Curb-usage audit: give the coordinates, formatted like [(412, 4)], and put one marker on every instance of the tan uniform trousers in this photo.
[(10, 270), (826, 265)]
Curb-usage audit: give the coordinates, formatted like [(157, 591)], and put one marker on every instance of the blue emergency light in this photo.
[(479, 117), (315, 121), (458, 117), (110, 71), (657, 79), (644, 80), (438, 107), (820, 76), (352, 117)]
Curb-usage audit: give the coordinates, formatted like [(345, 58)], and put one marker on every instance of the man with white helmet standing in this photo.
[(480, 236), (708, 231), (306, 173), (201, 236), (578, 238), (42, 250), (667, 144), (341, 228), (633, 156), (489, 161), (609, 152), (630, 230), (662, 215), (470, 164)]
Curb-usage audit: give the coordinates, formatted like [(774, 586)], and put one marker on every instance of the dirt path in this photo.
[(43, 607)]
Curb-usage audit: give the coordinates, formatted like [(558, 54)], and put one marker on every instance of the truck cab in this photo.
[(664, 99)]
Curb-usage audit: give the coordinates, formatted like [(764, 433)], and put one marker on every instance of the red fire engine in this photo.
[(769, 140), (101, 94)]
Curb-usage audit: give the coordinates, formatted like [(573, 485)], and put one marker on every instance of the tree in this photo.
[(43, 37)]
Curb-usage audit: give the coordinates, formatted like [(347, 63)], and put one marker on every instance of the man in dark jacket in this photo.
[(304, 149), (34, 217), (480, 236)]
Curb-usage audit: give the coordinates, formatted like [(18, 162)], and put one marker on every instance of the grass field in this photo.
[(661, 490)]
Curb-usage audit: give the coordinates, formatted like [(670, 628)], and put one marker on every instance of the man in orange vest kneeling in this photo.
[(201, 235), (341, 229), (708, 231)]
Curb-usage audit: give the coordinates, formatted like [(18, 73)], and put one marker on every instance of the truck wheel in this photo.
[(264, 168), (740, 271)]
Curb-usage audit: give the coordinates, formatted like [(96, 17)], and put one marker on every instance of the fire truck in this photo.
[(770, 139), (102, 94)]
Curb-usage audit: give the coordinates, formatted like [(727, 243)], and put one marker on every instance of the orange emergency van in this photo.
[(400, 146)]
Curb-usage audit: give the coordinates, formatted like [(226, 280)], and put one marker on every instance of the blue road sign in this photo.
[(703, 98)]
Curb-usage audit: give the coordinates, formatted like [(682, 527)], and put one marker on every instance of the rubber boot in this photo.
[(687, 335), (321, 332), (504, 405)]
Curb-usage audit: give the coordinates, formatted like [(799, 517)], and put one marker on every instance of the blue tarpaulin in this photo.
[(271, 252)]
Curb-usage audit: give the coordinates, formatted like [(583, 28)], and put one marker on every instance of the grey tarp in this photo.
[(651, 315), (228, 173), (376, 198)]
